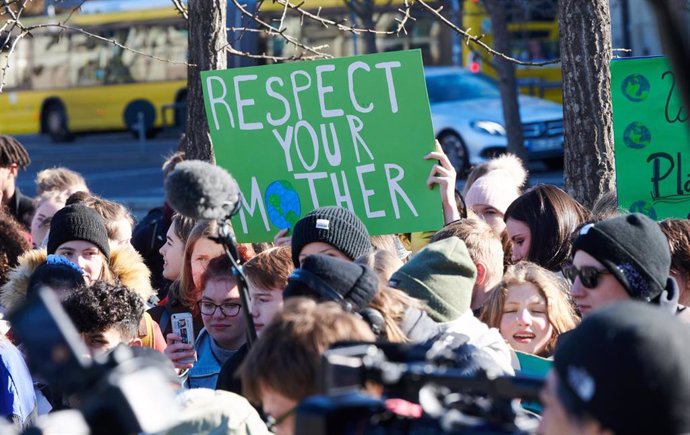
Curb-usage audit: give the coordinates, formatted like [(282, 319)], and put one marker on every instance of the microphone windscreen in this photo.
[(201, 190)]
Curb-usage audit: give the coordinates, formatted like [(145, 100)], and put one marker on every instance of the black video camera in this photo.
[(454, 390), (119, 394)]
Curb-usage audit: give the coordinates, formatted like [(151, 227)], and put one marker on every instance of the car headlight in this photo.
[(489, 127)]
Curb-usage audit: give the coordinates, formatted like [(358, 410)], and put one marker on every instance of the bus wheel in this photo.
[(140, 115), (455, 149), (55, 122)]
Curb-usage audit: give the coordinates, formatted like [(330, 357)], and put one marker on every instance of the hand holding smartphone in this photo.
[(181, 342)]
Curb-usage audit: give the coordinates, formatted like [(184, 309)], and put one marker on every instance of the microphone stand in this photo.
[(225, 238)]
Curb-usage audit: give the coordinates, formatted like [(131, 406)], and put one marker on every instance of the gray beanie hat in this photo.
[(337, 226), (443, 275)]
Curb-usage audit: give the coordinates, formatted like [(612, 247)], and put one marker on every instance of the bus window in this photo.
[(118, 60), (18, 75), (50, 61), (176, 42), (164, 41), (88, 60)]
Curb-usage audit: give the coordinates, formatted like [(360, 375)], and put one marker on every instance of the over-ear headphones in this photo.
[(375, 320)]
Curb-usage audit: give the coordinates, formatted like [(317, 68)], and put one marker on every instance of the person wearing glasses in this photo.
[(223, 333), (625, 257)]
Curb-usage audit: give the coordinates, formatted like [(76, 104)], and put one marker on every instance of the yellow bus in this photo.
[(61, 82), (534, 38)]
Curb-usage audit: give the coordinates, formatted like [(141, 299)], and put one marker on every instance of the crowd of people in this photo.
[(516, 274)]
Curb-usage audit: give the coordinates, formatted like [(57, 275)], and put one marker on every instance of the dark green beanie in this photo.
[(443, 275)]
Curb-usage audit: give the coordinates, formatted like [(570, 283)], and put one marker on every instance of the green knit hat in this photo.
[(443, 275)]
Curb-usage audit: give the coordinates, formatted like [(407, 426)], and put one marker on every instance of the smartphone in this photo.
[(183, 325)]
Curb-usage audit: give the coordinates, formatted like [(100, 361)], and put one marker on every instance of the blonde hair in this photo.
[(58, 179), (391, 303), (552, 287), (50, 195), (111, 212), (173, 159), (383, 262)]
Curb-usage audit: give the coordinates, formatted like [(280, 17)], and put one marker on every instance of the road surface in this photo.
[(120, 168)]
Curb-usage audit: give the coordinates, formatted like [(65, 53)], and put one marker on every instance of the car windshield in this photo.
[(458, 86)]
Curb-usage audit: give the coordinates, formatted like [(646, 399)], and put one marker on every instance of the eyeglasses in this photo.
[(228, 309), (589, 275), (273, 422)]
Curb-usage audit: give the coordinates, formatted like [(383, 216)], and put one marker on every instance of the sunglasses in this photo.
[(589, 275)]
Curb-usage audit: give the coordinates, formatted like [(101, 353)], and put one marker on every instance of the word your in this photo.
[(303, 135), (299, 83)]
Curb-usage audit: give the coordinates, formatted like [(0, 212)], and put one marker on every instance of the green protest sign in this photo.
[(350, 132), (652, 144)]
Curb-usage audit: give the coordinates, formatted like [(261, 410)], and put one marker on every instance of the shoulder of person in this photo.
[(418, 326), (129, 268), (13, 292), (683, 313)]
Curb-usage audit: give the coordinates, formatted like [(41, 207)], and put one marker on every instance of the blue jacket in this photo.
[(17, 397), (205, 372)]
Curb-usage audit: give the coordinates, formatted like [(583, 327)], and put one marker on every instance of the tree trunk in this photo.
[(207, 39), (585, 32), (506, 78)]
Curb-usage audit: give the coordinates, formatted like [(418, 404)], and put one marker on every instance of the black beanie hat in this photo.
[(634, 249), (627, 365), (326, 278), (337, 226), (78, 222)]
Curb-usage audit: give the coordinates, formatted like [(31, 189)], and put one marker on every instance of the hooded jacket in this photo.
[(125, 263)]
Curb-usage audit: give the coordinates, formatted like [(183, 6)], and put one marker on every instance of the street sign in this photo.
[(652, 144), (350, 132)]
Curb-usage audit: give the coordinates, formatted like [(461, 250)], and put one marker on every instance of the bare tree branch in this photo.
[(14, 8), (325, 22), (27, 31), (181, 8), (272, 30), (108, 40), (263, 56), (478, 39)]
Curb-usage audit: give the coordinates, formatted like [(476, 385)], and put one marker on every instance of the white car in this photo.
[(467, 115)]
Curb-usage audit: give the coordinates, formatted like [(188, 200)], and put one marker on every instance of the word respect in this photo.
[(289, 94)]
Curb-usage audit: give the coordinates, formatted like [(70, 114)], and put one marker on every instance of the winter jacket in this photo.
[(228, 378), (21, 207), (147, 238), (484, 338), (125, 264), (205, 372), (211, 412), (17, 397), (419, 327)]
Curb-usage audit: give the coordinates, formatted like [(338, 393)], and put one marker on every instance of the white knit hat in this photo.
[(497, 189)]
